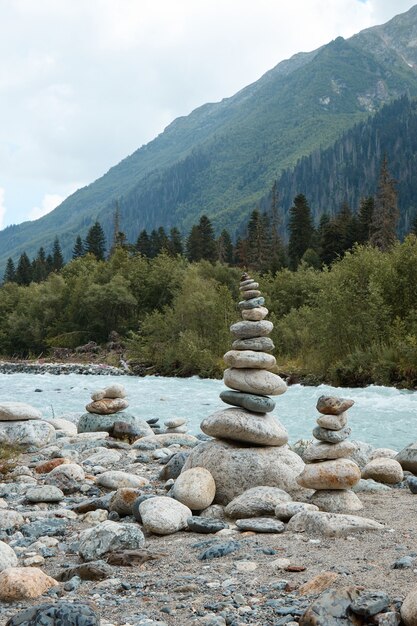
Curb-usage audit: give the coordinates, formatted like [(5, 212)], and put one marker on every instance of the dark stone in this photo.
[(94, 570), (221, 549), (370, 603), (153, 420), (174, 466), (59, 614), (253, 303), (412, 483), (332, 608), (205, 525), (331, 436), (137, 503), (41, 528), (94, 504), (404, 563), (249, 401), (331, 405), (259, 344)]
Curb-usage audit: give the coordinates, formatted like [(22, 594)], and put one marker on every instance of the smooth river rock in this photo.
[(331, 405), (336, 501), (251, 304), (249, 358), (238, 467), (28, 433), (92, 422), (260, 382), (115, 479), (337, 474), (242, 425), (248, 285), (22, 583), (8, 556), (409, 608), (322, 451), (263, 344), (286, 510), (255, 315), (333, 422), (18, 411), (261, 525), (331, 436), (107, 406), (383, 470), (249, 401), (251, 293), (107, 537), (331, 524), (248, 329), (195, 488), (256, 501), (407, 458), (163, 516)]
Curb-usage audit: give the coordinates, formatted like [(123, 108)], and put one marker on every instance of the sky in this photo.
[(83, 84)]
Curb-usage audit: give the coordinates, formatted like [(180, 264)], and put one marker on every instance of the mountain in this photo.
[(223, 158)]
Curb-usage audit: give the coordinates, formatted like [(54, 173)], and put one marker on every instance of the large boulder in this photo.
[(407, 458), (238, 467), (29, 433), (93, 422), (242, 425), (108, 537), (18, 411)]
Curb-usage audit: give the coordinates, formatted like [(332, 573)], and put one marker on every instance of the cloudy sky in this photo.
[(85, 83)]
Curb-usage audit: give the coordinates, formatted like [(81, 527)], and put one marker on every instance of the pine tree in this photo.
[(385, 215), (95, 242), (39, 266), (57, 257), (24, 270), (365, 217), (208, 241), (143, 244), (10, 272), (78, 250), (175, 242), (193, 244), (258, 241), (240, 253), (301, 230), (277, 252), (225, 248)]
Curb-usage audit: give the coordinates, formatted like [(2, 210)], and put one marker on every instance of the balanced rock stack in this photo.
[(250, 446), (22, 425), (176, 425), (329, 470), (107, 413)]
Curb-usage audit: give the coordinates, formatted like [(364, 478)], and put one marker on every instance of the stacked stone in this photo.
[(249, 446), (176, 425), (107, 413), (329, 470), (22, 425)]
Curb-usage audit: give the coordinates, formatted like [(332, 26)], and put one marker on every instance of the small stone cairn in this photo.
[(22, 425), (249, 448), (329, 470)]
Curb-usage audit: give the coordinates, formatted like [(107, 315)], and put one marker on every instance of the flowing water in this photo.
[(381, 416)]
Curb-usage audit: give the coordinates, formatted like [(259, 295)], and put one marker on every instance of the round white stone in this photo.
[(195, 488)]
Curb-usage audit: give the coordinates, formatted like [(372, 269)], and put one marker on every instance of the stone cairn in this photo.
[(328, 469), (249, 448)]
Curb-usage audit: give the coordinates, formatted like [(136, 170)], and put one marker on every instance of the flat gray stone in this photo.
[(331, 436), (29, 433), (248, 329), (205, 525), (331, 524), (249, 358), (251, 304), (256, 502), (332, 608), (45, 493), (261, 525), (249, 401), (336, 501), (241, 425), (258, 382), (264, 344), (323, 451), (18, 411), (286, 510)]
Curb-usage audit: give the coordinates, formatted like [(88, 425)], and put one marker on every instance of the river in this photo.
[(381, 416)]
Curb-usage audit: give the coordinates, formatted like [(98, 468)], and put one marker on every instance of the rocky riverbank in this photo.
[(28, 367)]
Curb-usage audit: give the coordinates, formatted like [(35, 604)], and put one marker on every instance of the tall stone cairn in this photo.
[(249, 446), (329, 470)]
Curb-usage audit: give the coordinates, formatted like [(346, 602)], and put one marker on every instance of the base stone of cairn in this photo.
[(22, 425), (328, 470), (249, 446), (106, 413)]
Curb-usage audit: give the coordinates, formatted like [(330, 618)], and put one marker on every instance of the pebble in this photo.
[(219, 550), (198, 524)]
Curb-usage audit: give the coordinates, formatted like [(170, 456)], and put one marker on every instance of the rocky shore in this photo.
[(27, 367)]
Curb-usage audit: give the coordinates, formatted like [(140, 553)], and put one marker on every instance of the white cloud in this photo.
[(2, 207), (49, 202)]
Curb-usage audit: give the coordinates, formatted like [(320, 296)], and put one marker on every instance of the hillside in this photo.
[(223, 157)]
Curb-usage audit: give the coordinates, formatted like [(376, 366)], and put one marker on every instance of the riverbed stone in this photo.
[(331, 524), (383, 453), (103, 456), (167, 439), (22, 583), (249, 358), (257, 501), (45, 493), (322, 451), (336, 474), (286, 510), (164, 516), (18, 411), (370, 603), (238, 467), (195, 488), (248, 294), (336, 501), (255, 315), (242, 425), (115, 479), (251, 304), (259, 382), (8, 556), (249, 401), (91, 422), (331, 436), (116, 390), (384, 470), (29, 433), (409, 608), (60, 613), (247, 329), (63, 425), (263, 344), (109, 536), (205, 525), (123, 499), (331, 405), (333, 422), (407, 458), (261, 525), (332, 608), (10, 520), (68, 477), (107, 406)]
